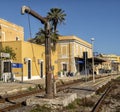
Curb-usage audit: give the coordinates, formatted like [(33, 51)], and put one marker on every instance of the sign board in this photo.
[(80, 62), (17, 65), (5, 55)]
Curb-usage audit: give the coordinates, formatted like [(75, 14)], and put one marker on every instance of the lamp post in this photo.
[(92, 42)]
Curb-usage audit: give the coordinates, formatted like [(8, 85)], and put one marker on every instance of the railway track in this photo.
[(100, 101), (13, 104), (108, 90)]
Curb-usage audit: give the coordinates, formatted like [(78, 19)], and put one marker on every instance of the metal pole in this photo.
[(69, 58), (85, 66), (92, 40), (49, 81), (22, 74)]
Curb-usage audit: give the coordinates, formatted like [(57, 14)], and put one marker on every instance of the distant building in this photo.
[(111, 57), (112, 63)]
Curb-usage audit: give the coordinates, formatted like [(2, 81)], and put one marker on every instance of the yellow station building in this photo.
[(30, 56), (69, 55)]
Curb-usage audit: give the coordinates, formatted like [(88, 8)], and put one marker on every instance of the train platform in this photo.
[(13, 87), (80, 90), (84, 89), (7, 88)]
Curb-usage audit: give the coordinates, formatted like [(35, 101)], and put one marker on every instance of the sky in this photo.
[(86, 19)]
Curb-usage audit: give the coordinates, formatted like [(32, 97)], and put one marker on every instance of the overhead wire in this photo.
[(30, 32), (29, 25)]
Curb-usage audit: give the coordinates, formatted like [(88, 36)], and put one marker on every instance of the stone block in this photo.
[(60, 100)]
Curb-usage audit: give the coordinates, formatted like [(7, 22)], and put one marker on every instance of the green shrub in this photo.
[(43, 108)]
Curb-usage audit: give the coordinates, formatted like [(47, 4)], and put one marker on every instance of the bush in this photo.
[(43, 108)]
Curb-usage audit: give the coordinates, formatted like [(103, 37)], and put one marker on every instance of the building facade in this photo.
[(10, 31), (112, 63), (30, 56), (71, 50)]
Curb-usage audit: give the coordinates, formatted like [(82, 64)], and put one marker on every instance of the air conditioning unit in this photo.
[(25, 60), (39, 61)]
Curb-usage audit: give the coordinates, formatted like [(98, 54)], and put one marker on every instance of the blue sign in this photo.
[(80, 62), (17, 65)]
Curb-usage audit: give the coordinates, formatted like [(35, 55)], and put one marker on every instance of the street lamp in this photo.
[(92, 42)]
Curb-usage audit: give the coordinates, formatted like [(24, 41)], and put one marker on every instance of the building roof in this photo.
[(10, 23), (97, 60), (63, 38)]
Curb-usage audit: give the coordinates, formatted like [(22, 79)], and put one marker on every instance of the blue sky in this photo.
[(99, 19)]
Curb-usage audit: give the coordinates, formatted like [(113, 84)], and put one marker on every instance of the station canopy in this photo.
[(97, 60)]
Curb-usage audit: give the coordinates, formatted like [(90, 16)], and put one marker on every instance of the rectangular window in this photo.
[(64, 67), (64, 50), (7, 67)]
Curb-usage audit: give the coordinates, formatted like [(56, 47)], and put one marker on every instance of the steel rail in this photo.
[(12, 97), (100, 101), (20, 104), (12, 107)]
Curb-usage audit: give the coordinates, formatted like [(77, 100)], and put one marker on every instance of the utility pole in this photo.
[(49, 91), (92, 42), (69, 58), (85, 65)]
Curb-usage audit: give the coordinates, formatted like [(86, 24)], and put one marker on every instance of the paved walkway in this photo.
[(10, 87)]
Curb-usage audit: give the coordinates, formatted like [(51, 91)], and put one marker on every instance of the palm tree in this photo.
[(55, 16), (39, 38)]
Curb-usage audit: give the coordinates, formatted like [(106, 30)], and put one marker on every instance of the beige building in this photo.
[(112, 63), (111, 57), (71, 51)]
